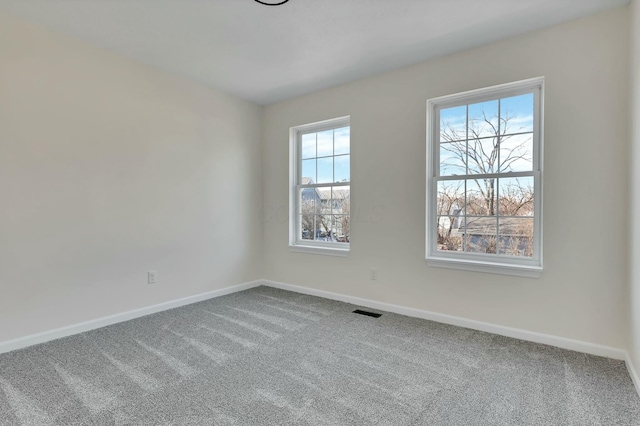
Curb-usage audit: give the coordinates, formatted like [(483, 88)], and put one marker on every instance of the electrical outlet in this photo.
[(152, 276), (373, 274)]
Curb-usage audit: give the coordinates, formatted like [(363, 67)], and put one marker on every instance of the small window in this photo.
[(320, 187), (484, 179)]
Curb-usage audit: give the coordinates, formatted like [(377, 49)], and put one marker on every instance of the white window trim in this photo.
[(296, 244), (478, 262)]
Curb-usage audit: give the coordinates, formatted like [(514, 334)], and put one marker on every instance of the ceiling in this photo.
[(270, 53)]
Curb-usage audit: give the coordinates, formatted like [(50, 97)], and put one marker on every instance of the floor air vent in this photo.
[(367, 313)]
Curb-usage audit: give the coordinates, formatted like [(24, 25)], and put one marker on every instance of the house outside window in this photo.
[(484, 179), (320, 187)]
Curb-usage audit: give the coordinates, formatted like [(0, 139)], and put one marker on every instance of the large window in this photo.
[(484, 179), (320, 197)]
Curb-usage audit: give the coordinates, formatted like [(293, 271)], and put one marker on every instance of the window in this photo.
[(484, 179), (320, 191)]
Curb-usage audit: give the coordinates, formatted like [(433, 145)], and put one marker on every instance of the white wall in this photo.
[(634, 211), (108, 169), (583, 290)]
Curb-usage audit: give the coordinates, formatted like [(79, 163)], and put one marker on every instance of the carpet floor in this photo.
[(272, 357)]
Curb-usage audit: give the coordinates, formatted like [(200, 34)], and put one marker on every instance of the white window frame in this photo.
[(295, 165), (480, 262)]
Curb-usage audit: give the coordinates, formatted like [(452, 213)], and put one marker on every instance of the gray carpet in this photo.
[(271, 357)]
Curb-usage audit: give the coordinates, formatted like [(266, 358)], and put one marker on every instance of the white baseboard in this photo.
[(632, 372), (531, 336), (547, 339), (34, 339)]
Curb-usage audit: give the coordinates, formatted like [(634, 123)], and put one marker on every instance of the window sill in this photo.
[(486, 267), (327, 251)]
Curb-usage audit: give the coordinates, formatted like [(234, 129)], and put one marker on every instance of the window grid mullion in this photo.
[(315, 223), (322, 185), (333, 177), (530, 173), (466, 165), (464, 236), (497, 215), (498, 142), (467, 139)]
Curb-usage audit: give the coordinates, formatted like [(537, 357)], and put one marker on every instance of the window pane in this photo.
[(449, 236), (307, 227), (483, 119), (325, 170), (342, 173), (516, 236), (340, 232), (481, 197), (307, 209), (516, 153), (450, 210), (516, 114), (308, 172), (481, 234), (341, 200), (308, 199), (342, 140), (451, 199), (453, 124), (516, 196), (323, 227), (453, 158), (325, 143), (323, 201), (483, 155), (308, 145)]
